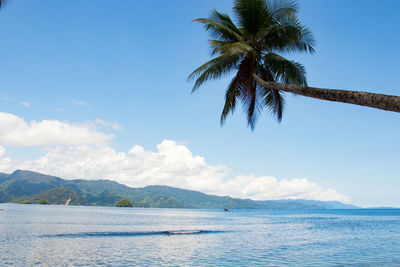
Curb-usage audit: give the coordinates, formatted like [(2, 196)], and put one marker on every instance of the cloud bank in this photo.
[(15, 131), (79, 152)]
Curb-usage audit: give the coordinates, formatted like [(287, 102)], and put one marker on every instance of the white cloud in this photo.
[(4, 162), (15, 131), (98, 124), (172, 164), (113, 125), (80, 103), (2, 151), (26, 104)]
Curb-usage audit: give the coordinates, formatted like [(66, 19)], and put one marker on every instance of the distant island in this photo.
[(31, 187), (124, 203)]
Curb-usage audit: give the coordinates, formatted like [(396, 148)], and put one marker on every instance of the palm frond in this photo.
[(252, 107), (221, 27), (289, 36), (285, 71), (280, 8), (273, 99), (213, 69), (225, 20), (251, 15), (243, 88), (248, 90), (231, 96), (231, 48), (306, 41)]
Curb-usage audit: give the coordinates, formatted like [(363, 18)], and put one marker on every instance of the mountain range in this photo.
[(24, 186)]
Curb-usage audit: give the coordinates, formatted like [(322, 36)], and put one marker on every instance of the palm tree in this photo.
[(266, 29)]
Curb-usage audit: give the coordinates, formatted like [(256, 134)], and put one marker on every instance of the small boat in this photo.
[(226, 209), (69, 200)]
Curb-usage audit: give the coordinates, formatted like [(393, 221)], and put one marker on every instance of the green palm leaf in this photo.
[(221, 27), (284, 70), (213, 69)]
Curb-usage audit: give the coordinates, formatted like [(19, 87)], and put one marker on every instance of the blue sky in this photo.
[(126, 63)]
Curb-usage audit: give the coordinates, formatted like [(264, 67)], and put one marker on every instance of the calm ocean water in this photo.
[(88, 236)]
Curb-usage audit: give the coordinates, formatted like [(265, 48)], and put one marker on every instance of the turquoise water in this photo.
[(88, 236)]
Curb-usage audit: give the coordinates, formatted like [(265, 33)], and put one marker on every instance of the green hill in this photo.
[(23, 186), (60, 195), (195, 199), (4, 197), (27, 183), (2, 176)]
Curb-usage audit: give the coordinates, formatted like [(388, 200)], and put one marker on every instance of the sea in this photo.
[(108, 236)]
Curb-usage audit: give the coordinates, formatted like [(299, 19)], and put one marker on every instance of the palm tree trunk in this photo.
[(379, 101)]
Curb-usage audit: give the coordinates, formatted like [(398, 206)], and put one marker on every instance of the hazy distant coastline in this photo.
[(31, 187)]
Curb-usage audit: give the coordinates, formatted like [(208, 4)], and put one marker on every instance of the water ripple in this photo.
[(121, 234)]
